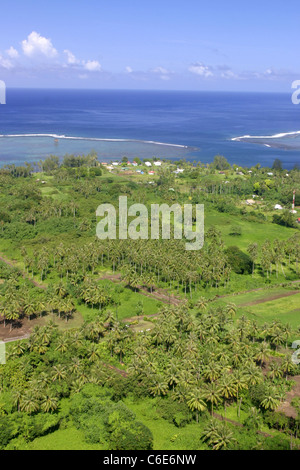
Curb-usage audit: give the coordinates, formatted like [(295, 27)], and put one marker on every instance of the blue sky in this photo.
[(143, 44)]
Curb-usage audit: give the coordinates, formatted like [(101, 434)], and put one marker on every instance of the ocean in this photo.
[(247, 128)]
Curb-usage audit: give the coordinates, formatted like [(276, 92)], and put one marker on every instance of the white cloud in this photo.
[(161, 70), (201, 69), (5, 63), (12, 52), (129, 69), (229, 74), (71, 58), (36, 44), (163, 73), (92, 66)]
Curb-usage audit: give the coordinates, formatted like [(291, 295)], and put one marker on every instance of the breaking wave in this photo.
[(57, 136)]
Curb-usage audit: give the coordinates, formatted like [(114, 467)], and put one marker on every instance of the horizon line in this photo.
[(149, 90)]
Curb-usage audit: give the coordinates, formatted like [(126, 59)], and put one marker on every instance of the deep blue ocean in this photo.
[(195, 125)]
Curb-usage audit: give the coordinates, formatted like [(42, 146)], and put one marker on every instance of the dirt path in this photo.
[(236, 423), (159, 294), (270, 298), (286, 406), (267, 299), (24, 275), (121, 372)]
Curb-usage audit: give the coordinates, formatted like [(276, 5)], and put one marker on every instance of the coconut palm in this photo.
[(49, 402), (212, 393), (29, 402), (196, 402), (271, 399)]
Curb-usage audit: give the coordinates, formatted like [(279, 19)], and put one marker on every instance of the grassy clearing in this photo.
[(166, 435), (63, 439), (252, 232), (285, 309)]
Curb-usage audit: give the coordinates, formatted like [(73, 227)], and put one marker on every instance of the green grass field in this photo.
[(285, 309)]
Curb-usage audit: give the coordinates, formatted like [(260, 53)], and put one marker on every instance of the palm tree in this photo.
[(271, 399), (263, 352), (241, 384), (59, 373), (196, 402), (29, 402), (159, 386), (219, 436), (62, 344), (212, 394), (231, 309), (287, 366), (93, 352), (49, 402), (275, 370), (228, 389)]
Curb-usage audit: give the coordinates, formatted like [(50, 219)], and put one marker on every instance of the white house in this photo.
[(157, 163), (148, 164), (279, 207)]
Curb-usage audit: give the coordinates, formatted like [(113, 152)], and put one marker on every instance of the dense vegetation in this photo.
[(119, 327)]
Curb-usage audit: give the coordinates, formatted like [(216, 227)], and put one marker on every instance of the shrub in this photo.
[(131, 436), (238, 260)]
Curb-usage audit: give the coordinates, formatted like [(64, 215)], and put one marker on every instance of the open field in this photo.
[(265, 306)]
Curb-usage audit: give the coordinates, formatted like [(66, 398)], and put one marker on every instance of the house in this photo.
[(115, 163), (148, 164), (298, 220), (134, 164), (250, 202), (103, 163), (151, 173), (157, 163), (180, 170), (278, 207), (270, 174)]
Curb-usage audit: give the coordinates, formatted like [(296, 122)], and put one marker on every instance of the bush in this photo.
[(18, 231), (131, 436), (6, 431), (174, 412), (235, 231), (286, 219), (238, 260)]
